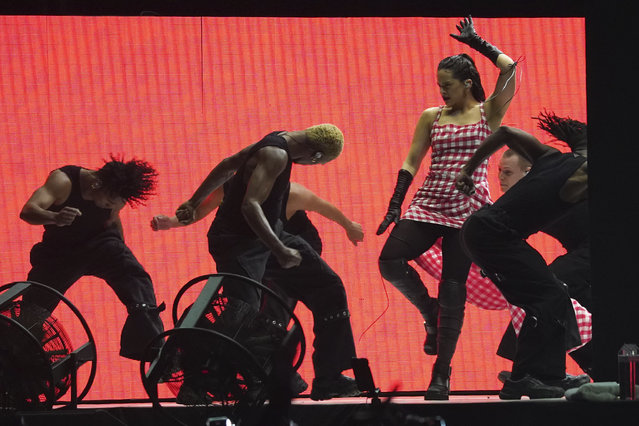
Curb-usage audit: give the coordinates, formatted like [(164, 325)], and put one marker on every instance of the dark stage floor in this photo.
[(460, 410)]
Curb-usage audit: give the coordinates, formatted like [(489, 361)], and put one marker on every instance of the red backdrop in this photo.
[(182, 93)]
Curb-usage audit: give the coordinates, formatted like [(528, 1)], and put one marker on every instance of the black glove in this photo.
[(467, 35), (404, 179)]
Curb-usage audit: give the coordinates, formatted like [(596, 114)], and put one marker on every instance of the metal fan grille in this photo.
[(26, 357)]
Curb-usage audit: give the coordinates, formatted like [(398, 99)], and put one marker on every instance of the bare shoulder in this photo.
[(58, 181), (430, 114)]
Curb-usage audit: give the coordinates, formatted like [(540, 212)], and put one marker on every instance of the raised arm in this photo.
[(302, 198), (497, 103), (55, 190)]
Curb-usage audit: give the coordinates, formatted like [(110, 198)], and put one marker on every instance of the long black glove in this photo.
[(404, 179), (467, 35)]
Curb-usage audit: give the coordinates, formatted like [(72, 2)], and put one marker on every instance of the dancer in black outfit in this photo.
[(247, 230), (495, 239), (572, 231), (79, 209)]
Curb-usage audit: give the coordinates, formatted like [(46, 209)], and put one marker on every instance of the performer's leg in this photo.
[(408, 240), (525, 280), (573, 268), (316, 285), (114, 262), (50, 267), (54, 270), (452, 301)]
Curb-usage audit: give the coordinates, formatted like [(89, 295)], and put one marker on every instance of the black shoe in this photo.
[(569, 381), (530, 387), (439, 387), (338, 387), (566, 383), (430, 325)]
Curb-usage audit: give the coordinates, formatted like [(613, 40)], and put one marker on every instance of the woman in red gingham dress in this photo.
[(438, 210)]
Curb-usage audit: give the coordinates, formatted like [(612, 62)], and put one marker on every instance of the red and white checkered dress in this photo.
[(437, 201)]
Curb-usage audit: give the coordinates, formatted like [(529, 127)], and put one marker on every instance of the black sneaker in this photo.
[(568, 382), (339, 387), (530, 387)]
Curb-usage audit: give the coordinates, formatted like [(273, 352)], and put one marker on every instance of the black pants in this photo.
[(408, 240), (495, 238), (313, 283), (573, 269), (106, 257)]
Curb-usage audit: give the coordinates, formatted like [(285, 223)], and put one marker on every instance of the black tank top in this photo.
[(229, 219), (83, 228)]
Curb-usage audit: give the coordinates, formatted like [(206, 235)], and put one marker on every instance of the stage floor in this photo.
[(460, 410)]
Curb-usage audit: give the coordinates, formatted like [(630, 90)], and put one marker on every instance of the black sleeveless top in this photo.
[(229, 219), (535, 202), (84, 227)]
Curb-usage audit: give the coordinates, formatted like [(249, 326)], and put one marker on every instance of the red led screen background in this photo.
[(182, 93)]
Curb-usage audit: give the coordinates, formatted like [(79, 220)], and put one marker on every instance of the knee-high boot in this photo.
[(452, 300), (399, 273)]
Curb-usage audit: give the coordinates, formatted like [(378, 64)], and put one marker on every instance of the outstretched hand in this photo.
[(466, 30), (161, 223), (392, 216)]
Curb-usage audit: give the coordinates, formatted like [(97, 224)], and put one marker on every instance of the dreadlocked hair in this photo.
[(133, 180), (565, 129)]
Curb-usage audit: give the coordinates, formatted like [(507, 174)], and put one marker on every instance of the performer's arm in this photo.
[(55, 190), (302, 198), (521, 142), (162, 222), (497, 103), (224, 170), (271, 162), (418, 149)]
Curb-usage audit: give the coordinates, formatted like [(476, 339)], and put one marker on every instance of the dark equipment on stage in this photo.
[(628, 366), (38, 363), (223, 351)]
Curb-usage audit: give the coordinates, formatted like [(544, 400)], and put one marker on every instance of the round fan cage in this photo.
[(38, 363), (222, 350), (47, 343)]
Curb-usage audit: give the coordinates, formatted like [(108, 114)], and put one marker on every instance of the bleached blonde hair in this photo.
[(326, 138)]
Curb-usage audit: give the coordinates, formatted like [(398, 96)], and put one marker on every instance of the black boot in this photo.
[(439, 387), (430, 325), (405, 279), (452, 299)]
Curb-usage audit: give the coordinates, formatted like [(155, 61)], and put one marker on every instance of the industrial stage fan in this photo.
[(222, 350), (38, 364)]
